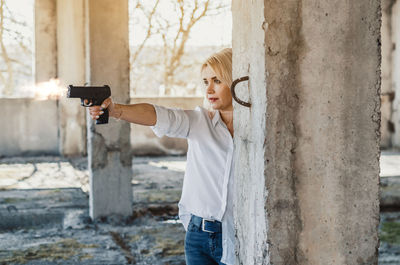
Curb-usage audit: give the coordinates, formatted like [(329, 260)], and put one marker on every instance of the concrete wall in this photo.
[(336, 159), (25, 114), (396, 74), (390, 126), (307, 151), (71, 70), (45, 40), (387, 92), (249, 138), (28, 127)]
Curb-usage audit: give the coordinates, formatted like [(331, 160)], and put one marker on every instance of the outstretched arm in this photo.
[(163, 121), (142, 113)]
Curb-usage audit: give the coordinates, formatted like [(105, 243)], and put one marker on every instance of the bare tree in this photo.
[(12, 67), (149, 32), (6, 75), (174, 34)]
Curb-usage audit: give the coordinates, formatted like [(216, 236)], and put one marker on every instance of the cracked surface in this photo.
[(152, 236)]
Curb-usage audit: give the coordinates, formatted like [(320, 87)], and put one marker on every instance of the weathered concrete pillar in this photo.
[(307, 151), (387, 93), (396, 74), (71, 70), (109, 145), (45, 40)]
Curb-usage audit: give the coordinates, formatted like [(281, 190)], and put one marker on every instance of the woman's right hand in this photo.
[(96, 111)]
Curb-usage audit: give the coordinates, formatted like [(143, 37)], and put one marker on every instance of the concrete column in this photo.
[(71, 70), (45, 40), (387, 93), (109, 145), (396, 74), (307, 151), (249, 124)]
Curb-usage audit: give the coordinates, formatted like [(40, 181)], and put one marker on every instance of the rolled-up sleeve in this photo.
[(171, 122)]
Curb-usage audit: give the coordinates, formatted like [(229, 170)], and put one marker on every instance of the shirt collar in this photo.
[(216, 118)]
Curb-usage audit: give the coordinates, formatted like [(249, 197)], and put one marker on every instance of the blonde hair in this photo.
[(221, 63)]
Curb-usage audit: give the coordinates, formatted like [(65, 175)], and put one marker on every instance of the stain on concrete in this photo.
[(52, 252), (284, 37), (125, 147), (98, 147)]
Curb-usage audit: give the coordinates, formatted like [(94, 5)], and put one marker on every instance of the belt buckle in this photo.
[(203, 225)]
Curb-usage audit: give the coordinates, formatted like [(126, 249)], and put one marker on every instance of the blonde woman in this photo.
[(205, 207)]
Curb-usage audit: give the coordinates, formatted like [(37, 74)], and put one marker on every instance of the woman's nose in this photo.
[(210, 89)]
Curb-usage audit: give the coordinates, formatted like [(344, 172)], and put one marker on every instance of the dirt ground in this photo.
[(44, 213)]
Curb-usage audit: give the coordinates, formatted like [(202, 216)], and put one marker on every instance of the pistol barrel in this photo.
[(89, 92)]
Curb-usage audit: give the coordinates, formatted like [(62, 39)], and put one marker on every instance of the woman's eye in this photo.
[(206, 83), (217, 81)]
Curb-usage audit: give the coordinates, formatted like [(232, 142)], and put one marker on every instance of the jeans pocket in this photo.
[(192, 227)]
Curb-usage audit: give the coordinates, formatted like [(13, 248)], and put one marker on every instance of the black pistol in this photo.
[(95, 96)]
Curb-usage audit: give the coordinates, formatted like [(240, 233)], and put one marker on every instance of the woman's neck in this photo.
[(227, 117)]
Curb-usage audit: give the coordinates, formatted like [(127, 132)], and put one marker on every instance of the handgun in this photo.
[(95, 95)]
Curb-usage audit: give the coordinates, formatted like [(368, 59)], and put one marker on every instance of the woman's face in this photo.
[(217, 93)]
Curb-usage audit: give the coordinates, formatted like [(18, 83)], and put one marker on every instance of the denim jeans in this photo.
[(202, 248)]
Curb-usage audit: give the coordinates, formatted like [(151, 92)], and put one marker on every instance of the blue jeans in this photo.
[(202, 248)]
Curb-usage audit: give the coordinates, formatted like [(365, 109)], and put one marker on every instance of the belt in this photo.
[(206, 225)]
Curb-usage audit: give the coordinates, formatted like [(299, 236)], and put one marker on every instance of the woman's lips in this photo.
[(212, 99)]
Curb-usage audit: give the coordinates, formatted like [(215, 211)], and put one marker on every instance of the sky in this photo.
[(215, 30), (209, 31), (22, 8)]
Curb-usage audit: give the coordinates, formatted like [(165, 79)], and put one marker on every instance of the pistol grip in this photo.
[(103, 118)]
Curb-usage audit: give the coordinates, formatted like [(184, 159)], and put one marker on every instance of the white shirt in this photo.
[(208, 181)]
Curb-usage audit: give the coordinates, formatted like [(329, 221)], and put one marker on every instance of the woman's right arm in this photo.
[(163, 121), (142, 113)]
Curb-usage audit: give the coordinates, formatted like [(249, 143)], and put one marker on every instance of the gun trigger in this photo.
[(88, 104)]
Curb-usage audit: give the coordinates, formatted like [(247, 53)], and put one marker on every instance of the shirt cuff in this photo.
[(162, 125)]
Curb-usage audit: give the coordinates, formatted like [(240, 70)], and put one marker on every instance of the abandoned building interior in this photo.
[(317, 150)]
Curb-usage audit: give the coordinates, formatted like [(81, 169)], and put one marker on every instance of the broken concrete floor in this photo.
[(389, 227), (44, 213), (150, 243)]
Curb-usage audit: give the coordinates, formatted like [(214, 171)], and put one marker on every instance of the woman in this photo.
[(205, 207)]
